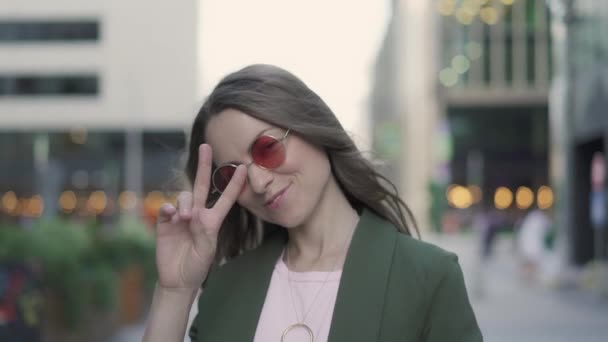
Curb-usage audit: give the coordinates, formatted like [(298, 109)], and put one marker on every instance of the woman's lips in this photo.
[(276, 202)]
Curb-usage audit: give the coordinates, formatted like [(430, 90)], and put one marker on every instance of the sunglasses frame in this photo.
[(280, 140)]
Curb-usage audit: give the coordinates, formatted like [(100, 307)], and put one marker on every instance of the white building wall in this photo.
[(419, 107), (145, 58)]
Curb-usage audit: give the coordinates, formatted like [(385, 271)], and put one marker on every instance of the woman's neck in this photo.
[(320, 243)]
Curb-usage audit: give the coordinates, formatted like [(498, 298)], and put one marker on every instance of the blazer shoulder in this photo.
[(409, 251), (422, 250), (430, 263)]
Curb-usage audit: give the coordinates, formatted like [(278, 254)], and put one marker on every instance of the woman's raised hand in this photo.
[(186, 235)]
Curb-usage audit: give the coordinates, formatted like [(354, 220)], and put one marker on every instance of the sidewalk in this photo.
[(509, 310)]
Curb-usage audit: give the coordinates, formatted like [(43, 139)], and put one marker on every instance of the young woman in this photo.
[(293, 234)]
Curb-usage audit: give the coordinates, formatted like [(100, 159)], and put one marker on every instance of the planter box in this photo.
[(131, 294), (96, 325)]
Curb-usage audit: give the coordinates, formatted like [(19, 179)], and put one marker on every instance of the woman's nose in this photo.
[(259, 178)]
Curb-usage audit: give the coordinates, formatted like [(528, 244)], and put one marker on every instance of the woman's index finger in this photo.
[(230, 195), (203, 175)]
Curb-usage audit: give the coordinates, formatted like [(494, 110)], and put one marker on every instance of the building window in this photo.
[(53, 85), (29, 31)]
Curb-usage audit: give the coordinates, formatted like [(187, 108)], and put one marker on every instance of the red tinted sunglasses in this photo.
[(267, 152)]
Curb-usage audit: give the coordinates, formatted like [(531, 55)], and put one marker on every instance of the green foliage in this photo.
[(80, 262), (13, 244)]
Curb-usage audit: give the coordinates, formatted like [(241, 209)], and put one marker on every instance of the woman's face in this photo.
[(296, 186)]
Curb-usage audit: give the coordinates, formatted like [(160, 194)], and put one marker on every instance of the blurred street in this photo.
[(509, 310)]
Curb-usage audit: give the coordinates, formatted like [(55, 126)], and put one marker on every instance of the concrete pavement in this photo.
[(510, 309)]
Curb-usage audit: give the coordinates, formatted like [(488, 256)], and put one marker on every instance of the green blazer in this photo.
[(393, 288)]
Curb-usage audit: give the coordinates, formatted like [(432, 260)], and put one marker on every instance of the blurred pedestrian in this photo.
[(487, 223), (295, 235), (532, 238)]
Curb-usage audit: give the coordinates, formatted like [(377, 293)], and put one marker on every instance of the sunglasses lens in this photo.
[(268, 152), (222, 176)]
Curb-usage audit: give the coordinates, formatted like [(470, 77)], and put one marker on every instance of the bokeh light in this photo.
[(446, 7), (68, 201), (153, 201), (459, 197), (127, 200), (33, 207), (461, 64), (503, 198), (489, 15), (448, 77), (544, 197), (10, 202), (524, 197), (97, 202), (464, 16)]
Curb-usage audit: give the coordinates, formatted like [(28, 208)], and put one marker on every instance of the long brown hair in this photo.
[(276, 96)]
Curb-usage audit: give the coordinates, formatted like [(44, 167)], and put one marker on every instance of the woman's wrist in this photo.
[(169, 313), (176, 292)]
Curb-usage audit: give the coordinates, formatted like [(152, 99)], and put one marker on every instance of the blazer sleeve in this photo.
[(193, 333), (450, 316), (193, 330)]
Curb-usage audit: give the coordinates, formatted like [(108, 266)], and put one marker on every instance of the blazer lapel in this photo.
[(242, 293), (360, 300), (359, 303)]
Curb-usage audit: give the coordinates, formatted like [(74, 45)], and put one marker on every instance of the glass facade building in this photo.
[(579, 121)]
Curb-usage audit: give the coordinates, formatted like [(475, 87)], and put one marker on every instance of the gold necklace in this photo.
[(300, 322)]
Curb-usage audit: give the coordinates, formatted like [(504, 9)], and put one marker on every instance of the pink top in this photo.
[(278, 311)]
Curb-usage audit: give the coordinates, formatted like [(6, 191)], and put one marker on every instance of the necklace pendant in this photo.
[(298, 325)]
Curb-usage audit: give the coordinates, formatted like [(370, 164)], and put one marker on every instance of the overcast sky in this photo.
[(331, 45)]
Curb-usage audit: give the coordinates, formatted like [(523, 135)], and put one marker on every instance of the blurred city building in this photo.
[(94, 100), (579, 124), (462, 88), (497, 105)]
